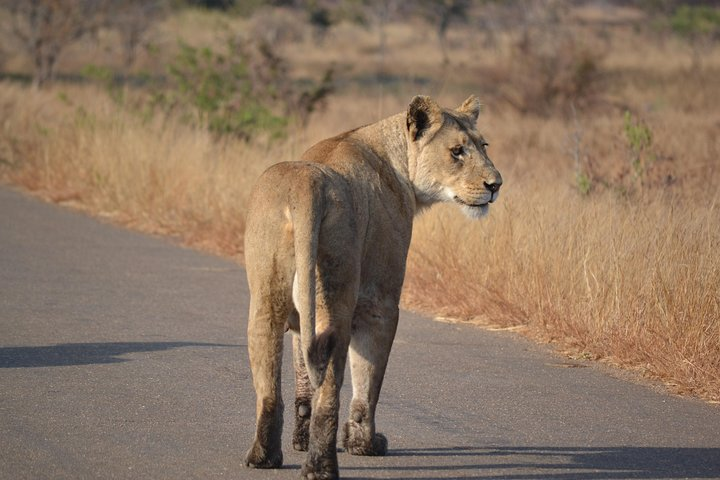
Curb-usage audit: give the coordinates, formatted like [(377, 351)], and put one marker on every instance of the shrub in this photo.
[(214, 91), (244, 90), (696, 21), (639, 140), (543, 78)]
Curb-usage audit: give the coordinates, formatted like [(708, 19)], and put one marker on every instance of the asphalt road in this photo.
[(124, 356)]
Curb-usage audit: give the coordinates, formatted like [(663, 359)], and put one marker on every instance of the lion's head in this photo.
[(448, 160)]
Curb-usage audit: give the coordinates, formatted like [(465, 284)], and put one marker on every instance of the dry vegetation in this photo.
[(608, 249)]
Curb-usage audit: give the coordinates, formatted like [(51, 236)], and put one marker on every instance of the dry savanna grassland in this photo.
[(604, 123)]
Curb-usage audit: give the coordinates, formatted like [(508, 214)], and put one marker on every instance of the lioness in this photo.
[(325, 249)]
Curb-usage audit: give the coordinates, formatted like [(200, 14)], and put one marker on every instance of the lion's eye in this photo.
[(457, 150)]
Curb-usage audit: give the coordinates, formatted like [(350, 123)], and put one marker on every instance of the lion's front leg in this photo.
[(369, 352)]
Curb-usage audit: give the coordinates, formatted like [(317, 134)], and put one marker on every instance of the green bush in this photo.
[(242, 91), (215, 91), (694, 21), (583, 182)]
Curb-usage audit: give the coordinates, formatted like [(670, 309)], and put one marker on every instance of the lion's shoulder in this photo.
[(339, 149)]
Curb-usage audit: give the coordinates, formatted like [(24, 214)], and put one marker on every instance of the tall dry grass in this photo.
[(628, 273), (600, 278)]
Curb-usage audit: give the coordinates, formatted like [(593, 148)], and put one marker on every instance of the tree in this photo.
[(46, 27), (381, 13), (132, 20), (442, 13), (3, 56), (700, 25)]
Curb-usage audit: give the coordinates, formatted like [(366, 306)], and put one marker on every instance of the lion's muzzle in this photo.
[(494, 189)]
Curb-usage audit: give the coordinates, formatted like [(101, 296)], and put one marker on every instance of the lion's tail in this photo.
[(316, 348)]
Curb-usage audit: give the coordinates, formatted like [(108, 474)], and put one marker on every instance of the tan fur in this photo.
[(325, 248)]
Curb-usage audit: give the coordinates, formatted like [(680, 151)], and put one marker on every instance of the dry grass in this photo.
[(628, 273), (601, 278), (164, 178)]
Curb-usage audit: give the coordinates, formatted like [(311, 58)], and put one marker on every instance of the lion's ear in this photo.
[(422, 113), (471, 107)]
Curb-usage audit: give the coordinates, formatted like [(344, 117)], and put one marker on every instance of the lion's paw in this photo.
[(357, 442), (320, 469), (257, 457), (301, 434)]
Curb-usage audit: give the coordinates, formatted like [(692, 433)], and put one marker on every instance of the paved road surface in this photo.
[(124, 356)]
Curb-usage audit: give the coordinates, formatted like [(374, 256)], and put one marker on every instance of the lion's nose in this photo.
[(493, 187)]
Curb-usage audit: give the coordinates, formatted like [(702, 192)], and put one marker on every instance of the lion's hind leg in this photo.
[(303, 399), (266, 327), (321, 462)]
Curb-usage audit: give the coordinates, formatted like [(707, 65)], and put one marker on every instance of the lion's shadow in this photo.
[(68, 354), (566, 463)]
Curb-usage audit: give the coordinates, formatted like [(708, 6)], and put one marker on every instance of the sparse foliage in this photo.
[(639, 140)]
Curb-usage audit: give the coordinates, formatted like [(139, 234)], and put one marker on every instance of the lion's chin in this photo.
[(475, 212)]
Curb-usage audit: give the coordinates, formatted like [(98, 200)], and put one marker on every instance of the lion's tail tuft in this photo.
[(318, 356)]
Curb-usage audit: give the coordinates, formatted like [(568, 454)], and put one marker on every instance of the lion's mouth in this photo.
[(463, 202)]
